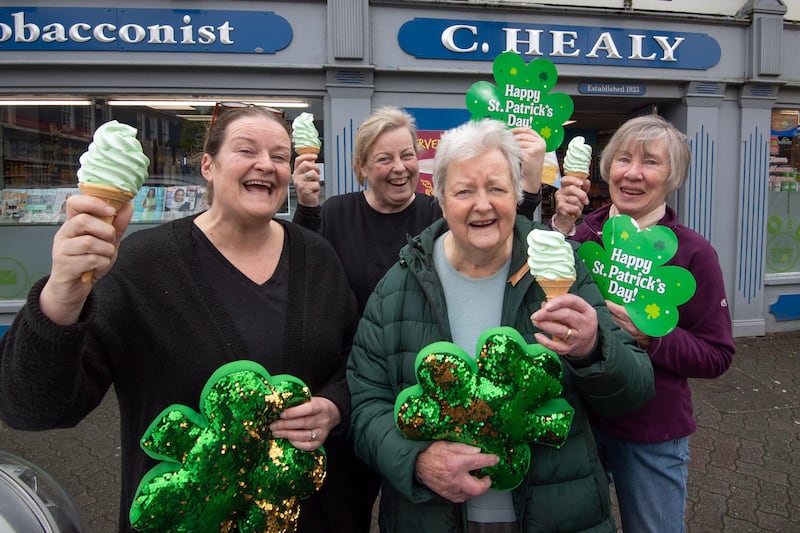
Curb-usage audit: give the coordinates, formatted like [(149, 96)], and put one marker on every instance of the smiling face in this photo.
[(637, 180), (250, 173), (480, 205), (391, 169)]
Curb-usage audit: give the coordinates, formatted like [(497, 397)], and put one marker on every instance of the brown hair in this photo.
[(217, 129)]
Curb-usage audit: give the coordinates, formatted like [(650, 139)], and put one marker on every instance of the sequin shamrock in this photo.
[(522, 97), (501, 400), (221, 469), (628, 269)]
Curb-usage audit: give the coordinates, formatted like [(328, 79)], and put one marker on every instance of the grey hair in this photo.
[(473, 139), (642, 132)]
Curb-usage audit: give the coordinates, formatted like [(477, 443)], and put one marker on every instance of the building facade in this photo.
[(723, 72)]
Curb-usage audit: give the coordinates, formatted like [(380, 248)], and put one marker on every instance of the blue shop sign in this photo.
[(475, 40), (142, 30)]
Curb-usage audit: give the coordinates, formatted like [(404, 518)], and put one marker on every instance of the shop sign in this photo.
[(612, 89), (474, 40), (142, 30)]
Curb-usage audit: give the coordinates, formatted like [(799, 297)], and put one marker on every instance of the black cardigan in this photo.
[(155, 329)]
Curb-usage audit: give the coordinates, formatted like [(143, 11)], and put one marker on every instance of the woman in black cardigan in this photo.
[(180, 300)]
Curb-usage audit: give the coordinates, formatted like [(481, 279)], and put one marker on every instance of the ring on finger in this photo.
[(569, 333), (313, 435), (308, 175)]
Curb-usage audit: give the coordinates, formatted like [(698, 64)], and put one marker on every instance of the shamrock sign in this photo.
[(628, 269), (221, 469), (522, 97), (500, 401)]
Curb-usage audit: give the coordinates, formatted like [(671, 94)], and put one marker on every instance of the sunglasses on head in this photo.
[(222, 107)]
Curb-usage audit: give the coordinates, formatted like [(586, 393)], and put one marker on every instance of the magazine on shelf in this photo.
[(148, 204), (60, 204), (184, 200), (39, 206), (12, 204)]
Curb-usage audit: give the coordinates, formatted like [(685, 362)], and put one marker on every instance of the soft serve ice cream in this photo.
[(578, 158), (551, 261), (113, 168), (114, 159), (305, 136)]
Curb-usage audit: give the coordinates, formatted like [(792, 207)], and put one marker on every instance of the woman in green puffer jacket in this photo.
[(454, 281)]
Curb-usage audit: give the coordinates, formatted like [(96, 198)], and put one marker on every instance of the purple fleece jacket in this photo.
[(700, 346)]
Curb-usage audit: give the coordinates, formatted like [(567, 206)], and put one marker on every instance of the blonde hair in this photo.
[(379, 122)]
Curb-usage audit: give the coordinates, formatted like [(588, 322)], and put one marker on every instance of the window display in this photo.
[(41, 141), (783, 211)]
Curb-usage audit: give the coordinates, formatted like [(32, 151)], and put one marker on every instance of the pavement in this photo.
[(744, 475)]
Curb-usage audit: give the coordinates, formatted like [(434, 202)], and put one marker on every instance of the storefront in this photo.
[(782, 232), (164, 71)]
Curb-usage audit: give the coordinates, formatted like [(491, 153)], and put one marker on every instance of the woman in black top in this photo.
[(176, 302)]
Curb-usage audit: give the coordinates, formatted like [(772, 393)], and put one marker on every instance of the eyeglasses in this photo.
[(222, 107)]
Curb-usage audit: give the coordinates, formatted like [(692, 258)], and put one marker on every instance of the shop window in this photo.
[(783, 211), (41, 142)]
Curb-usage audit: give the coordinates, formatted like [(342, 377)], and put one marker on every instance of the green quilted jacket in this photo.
[(566, 489)]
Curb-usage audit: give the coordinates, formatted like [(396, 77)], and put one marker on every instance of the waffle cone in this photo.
[(555, 287), (581, 175), (307, 150), (116, 198)]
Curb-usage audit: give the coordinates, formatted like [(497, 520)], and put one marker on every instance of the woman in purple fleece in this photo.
[(647, 452)]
